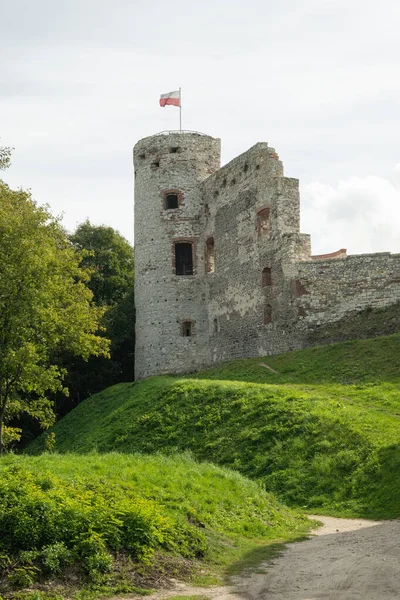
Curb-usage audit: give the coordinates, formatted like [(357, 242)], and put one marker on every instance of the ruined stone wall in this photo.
[(246, 315), (330, 290)]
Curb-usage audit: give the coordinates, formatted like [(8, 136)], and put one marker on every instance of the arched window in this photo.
[(183, 257), (210, 255), (263, 223), (266, 278), (267, 314)]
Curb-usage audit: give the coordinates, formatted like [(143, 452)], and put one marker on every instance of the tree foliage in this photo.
[(109, 257), (45, 307)]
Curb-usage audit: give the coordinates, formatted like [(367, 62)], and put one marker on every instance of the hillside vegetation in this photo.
[(123, 520), (322, 432)]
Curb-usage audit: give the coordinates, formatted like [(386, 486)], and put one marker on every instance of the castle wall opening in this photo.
[(266, 277), (187, 328), (171, 201), (183, 258), (267, 314), (263, 221), (210, 255)]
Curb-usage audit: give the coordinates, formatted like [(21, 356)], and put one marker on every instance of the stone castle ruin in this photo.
[(221, 268)]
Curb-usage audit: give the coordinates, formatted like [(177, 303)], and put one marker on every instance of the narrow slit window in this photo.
[(183, 258), (266, 277), (263, 223), (210, 255), (171, 201)]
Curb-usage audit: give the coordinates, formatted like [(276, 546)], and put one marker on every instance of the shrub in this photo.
[(22, 577), (55, 557)]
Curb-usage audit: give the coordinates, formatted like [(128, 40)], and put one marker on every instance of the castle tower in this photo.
[(170, 297)]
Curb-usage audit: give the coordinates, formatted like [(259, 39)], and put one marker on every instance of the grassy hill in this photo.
[(319, 427), (121, 522)]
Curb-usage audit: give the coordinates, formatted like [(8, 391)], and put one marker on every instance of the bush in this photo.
[(22, 577), (51, 522)]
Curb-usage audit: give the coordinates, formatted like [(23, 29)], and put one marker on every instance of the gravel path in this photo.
[(346, 559)]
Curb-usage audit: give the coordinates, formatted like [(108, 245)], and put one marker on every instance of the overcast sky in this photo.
[(317, 79)]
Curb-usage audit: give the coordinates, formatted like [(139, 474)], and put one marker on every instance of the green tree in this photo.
[(45, 307), (109, 257)]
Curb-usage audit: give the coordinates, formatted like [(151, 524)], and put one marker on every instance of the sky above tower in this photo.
[(317, 79)]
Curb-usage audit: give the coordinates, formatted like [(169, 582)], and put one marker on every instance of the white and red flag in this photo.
[(173, 98)]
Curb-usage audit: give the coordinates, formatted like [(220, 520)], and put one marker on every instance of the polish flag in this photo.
[(173, 98)]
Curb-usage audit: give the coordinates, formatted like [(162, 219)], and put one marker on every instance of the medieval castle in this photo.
[(221, 268)]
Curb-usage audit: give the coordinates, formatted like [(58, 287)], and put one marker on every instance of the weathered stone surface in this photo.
[(248, 213)]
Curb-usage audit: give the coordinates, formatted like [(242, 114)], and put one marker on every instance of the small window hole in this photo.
[(171, 201), (186, 329), (266, 278)]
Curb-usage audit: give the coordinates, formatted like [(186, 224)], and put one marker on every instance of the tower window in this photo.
[(187, 328), (266, 278), (174, 149), (171, 201), (263, 222), (183, 258), (215, 326), (210, 255)]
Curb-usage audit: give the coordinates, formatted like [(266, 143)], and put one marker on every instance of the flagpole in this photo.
[(180, 110)]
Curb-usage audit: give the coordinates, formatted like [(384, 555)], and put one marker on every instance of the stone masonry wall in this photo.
[(332, 289)]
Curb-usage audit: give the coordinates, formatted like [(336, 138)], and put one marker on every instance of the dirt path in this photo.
[(346, 559)]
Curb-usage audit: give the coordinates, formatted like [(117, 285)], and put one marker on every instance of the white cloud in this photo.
[(361, 214)]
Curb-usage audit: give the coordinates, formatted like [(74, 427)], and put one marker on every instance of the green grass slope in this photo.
[(322, 432), (116, 521)]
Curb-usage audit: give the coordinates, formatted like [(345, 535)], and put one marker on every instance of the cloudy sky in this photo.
[(317, 79)]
